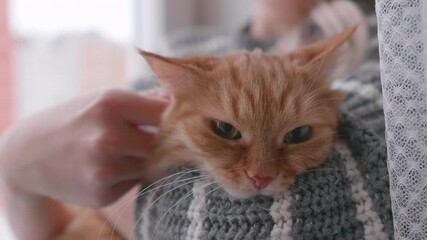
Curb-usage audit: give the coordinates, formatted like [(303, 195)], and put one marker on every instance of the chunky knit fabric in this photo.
[(347, 197)]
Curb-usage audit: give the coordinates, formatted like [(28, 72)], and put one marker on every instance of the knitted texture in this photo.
[(346, 197)]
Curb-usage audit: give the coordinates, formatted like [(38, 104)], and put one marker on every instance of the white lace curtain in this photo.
[(402, 35)]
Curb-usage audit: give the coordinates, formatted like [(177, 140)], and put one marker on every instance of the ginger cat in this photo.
[(251, 120)]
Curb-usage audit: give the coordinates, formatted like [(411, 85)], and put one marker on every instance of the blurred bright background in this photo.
[(54, 50)]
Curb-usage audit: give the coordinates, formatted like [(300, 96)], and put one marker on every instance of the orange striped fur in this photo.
[(263, 95)]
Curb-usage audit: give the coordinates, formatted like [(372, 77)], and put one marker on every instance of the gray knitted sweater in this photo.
[(347, 197)]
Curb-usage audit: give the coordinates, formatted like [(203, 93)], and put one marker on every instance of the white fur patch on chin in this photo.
[(239, 193), (242, 191), (246, 189), (275, 189)]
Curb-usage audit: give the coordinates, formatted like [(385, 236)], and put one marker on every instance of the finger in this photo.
[(134, 142), (157, 94), (131, 168), (134, 108), (143, 110)]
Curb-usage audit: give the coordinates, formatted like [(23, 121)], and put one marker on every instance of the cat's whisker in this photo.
[(282, 158), (178, 174), (158, 199), (213, 182), (311, 96), (143, 192), (313, 80), (319, 69), (310, 87), (127, 203), (176, 205), (314, 94), (213, 190)]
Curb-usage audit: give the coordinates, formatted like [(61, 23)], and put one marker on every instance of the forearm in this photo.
[(35, 217), (71, 153)]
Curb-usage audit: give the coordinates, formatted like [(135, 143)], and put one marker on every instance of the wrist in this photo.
[(11, 192), (34, 216), (17, 177)]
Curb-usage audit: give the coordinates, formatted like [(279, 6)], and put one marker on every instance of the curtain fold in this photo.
[(402, 39)]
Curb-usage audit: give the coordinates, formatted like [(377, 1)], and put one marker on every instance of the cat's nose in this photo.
[(261, 182)]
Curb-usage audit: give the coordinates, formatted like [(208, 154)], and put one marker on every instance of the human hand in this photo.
[(88, 151)]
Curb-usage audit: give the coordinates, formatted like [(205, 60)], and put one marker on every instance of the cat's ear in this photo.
[(324, 52), (178, 74), (173, 73)]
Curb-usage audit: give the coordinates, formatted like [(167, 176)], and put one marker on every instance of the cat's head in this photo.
[(253, 120)]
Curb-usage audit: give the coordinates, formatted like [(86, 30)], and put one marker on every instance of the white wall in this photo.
[(228, 14), (154, 19)]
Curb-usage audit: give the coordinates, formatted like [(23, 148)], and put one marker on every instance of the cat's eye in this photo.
[(225, 130), (299, 134)]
